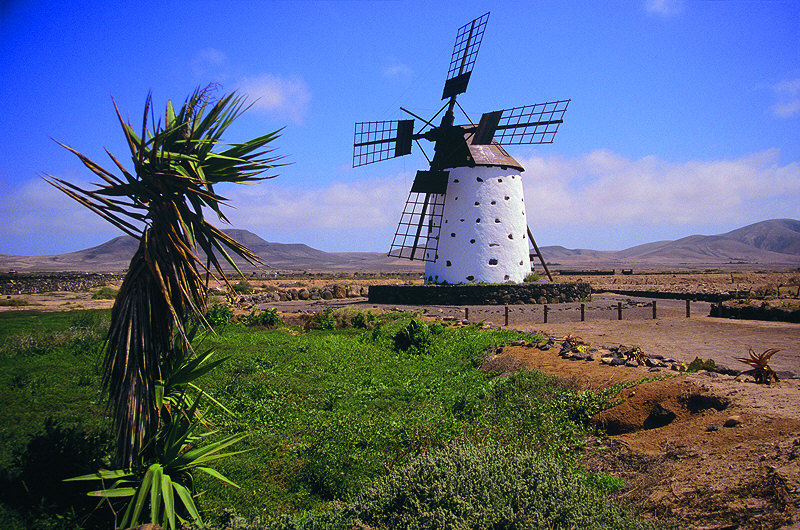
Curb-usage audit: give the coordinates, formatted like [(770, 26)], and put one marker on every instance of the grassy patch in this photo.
[(50, 405), (329, 412), (13, 302), (105, 293)]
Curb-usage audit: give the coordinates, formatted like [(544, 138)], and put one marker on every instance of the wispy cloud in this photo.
[(37, 218), (210, 64), (787, 93), (283, 96), (664, 8), (598, 191), (397, 71), (601, 193), (602, 187), (345, 206)]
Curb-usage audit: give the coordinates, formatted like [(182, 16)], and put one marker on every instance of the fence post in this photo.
[(688, 308), (654, 309), (466, 313), (619, 310), (583, 312), (545, 314), (506, 315)]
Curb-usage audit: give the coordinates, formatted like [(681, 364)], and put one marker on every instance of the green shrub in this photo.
[(473, 486), (415, 337), (533, 277), (13, 302), (105, 293), (363, 320), (699, 364), (242, 287), (605, 482), (267, 318), (219, 315), (325, 319)]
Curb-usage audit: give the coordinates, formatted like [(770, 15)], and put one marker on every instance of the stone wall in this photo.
[(694, 297), (740, 309), (55, 281), (327, 292), (494, 294)]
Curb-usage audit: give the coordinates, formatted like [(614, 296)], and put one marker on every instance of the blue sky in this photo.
[(685, 115)]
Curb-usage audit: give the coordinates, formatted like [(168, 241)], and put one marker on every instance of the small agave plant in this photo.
[(762, 372)]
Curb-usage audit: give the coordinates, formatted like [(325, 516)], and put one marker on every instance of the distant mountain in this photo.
[(769, 242), (774, 242), (778, 235), (115, 255)]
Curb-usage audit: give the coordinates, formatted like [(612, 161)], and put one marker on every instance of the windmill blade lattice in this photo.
[(380, 140), (465, 51), (531, 124), (417, 235)]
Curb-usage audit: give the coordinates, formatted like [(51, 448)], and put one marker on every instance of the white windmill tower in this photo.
[(465, 216)]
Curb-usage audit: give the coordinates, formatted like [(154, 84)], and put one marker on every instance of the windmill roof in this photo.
[(490, 155)]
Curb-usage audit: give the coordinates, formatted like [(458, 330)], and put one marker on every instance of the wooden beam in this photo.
[(539, 253)]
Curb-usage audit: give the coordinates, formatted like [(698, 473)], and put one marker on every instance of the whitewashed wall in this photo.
[(483, 236)]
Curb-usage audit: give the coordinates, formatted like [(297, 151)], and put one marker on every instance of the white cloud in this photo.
[(397, 71), (599, 198), (284, 96), (270, 207), (604, 188), (37, 218), (788, 95), (600, 192), (666, 8), (210, 64)]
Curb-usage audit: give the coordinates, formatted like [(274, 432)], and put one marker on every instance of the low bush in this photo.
[(363, 320), (464, 485), (242, 287), (13, 302), (699, 364), (533, 277), (325, 320), (415, 338), (267, 318), (219, 315), (105, 293)]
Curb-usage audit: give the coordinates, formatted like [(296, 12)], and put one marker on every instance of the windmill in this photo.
[(465, 215)]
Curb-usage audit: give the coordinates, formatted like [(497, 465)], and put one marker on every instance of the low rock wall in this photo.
[(502, 294), (327, 292), (763, 311), (694, 297), (52, 282)]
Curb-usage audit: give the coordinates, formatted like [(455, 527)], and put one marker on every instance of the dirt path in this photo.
[(674, 335), (729, 458)]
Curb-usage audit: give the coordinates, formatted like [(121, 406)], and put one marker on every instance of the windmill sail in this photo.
[(380, 140), (531, 124), (465, 51), (417, 235)]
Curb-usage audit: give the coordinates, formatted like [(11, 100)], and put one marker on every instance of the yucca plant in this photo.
[(762, 372), (150, 366), (154, 488), (162, 203)]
